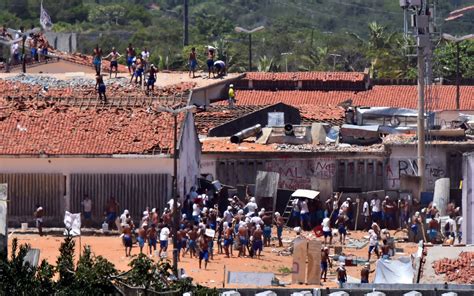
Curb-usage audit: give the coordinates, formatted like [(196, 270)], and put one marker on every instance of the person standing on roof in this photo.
[(145, 58), (192, 62), (97, 60), (130, 58), (341, 274), (210, 62), (150, 85), (114, 56), (100, 87), (231, 99)]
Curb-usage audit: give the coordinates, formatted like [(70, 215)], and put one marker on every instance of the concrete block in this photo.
[(302, 293), (318, 134), (413, 293), (339, 293), (230, 293), (266, 293), (266, 131), (375, 293), (449, 294)]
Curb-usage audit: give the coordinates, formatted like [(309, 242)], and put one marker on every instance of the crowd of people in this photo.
[(243, 229), (36, 42)]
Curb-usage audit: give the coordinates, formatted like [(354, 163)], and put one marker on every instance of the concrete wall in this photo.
[(63, 41), (322, 172), (403, 161), (203, 96), (468, 199)]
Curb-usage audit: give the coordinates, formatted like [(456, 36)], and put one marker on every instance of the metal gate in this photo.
[(25, 191), (132, 191)]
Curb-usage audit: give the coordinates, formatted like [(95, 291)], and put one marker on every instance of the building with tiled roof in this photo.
[(328, 167), (53, 153)]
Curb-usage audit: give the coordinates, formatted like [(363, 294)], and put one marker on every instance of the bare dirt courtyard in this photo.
[(111, 248)]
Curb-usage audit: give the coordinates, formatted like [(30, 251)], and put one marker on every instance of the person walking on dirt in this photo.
[(39, 213)]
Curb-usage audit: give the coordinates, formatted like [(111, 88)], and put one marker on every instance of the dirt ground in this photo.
[(111, 248)]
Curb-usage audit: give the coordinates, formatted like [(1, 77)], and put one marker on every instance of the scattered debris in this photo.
[(457, 270)]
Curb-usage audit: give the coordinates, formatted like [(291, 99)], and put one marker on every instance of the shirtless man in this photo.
[(203, 250), (228, 239), (385, 250), (267, 229), (114, 56), (182, 240), (341, 228), (243, 239), (127, 239), (141, 238), (279, 224), (192, 235), (257, 244), (324, 262), (152, 238), (341, 274), (130, 56), (364, 273)]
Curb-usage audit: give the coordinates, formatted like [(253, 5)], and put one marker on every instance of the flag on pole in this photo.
[(45, 19)]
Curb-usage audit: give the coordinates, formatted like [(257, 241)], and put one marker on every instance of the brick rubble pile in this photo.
[(460, 270)]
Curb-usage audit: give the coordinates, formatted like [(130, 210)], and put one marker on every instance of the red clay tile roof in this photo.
[(333, 115), (304, 76), (39, 127), (442, 97)]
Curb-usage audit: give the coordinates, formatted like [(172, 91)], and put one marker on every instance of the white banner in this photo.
[(73, 223)]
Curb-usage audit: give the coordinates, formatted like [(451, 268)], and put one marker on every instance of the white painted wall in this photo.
[(72, 165), (189, 157)]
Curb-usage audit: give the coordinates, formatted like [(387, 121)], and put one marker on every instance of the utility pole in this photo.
[(249, 32), (420, 21), (174, 195), (334, 58), (286, 54), (186, 23), (421, 118), (458, 40)]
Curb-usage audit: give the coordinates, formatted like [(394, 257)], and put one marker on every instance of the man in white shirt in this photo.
[(373, 244), (305, 217), (376, 212), (450, 228), (228, 216), (15, 52), (327, 231), (164, 236), (251, 206), (196, 213), (87, 210), (366, 214)]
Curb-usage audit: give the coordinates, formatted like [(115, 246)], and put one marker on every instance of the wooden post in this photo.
[(3, 222)]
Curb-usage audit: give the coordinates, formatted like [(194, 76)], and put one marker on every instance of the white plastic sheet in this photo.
[(394, 271), (73, 223)]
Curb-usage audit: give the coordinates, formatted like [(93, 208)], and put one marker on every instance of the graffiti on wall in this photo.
[(297, 173), (399, 167)]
